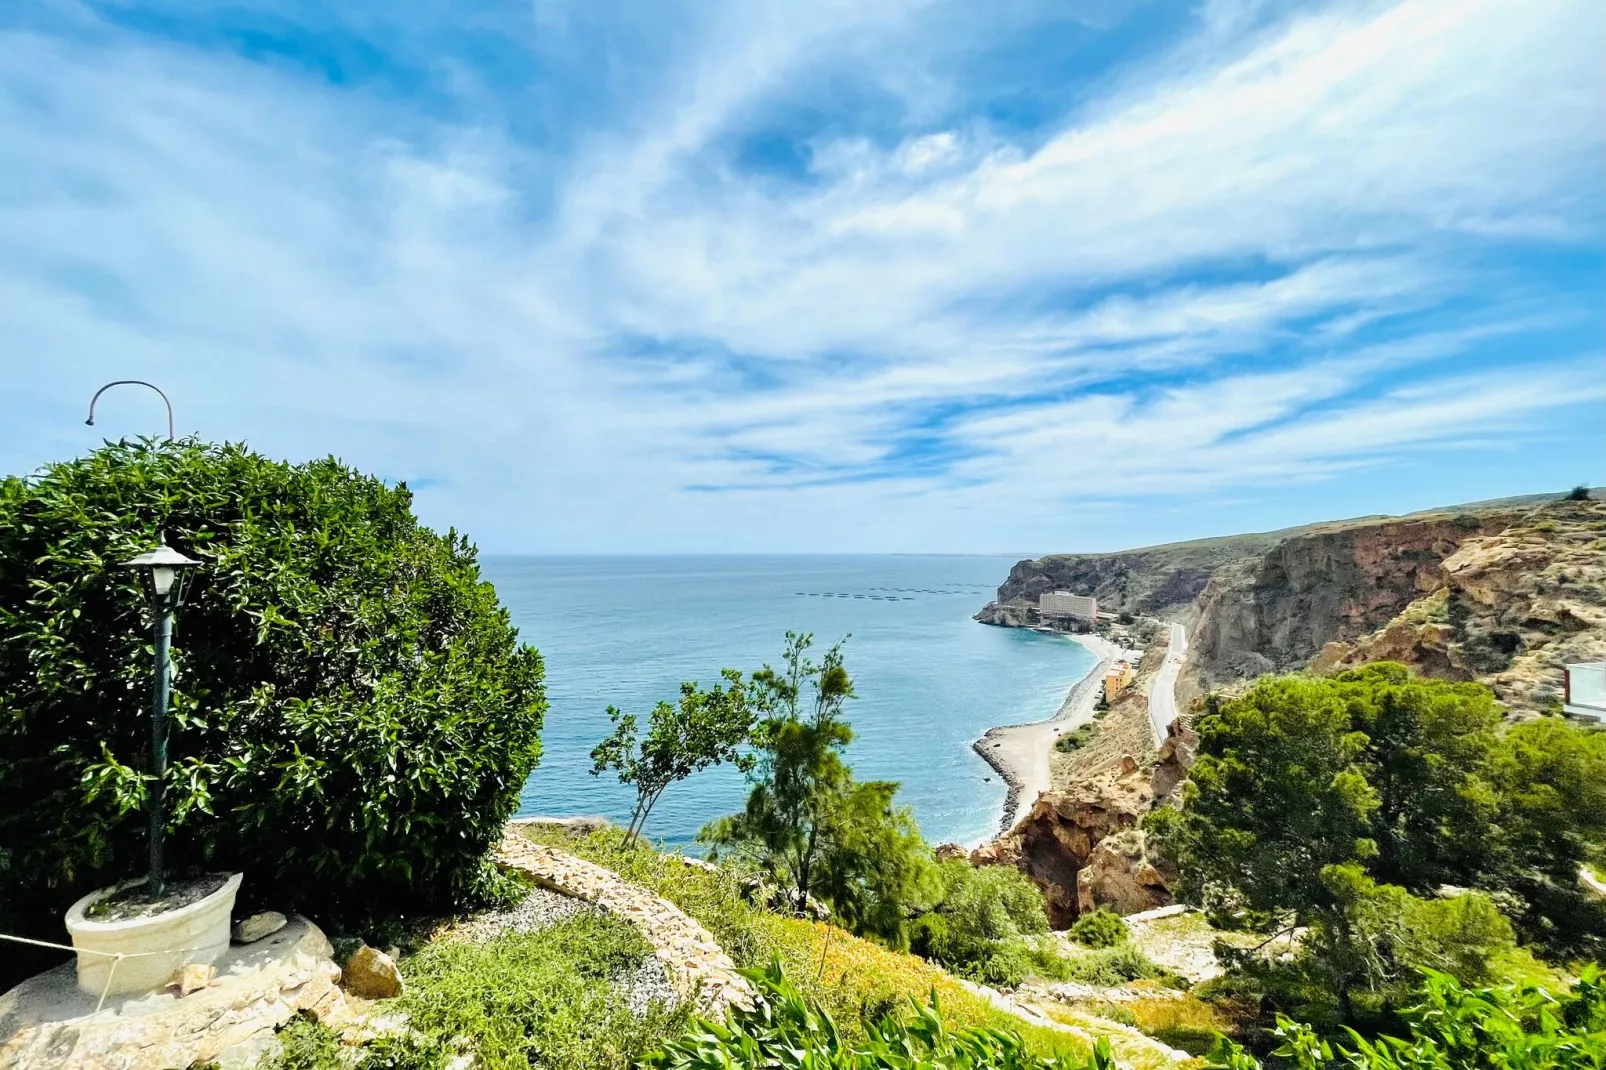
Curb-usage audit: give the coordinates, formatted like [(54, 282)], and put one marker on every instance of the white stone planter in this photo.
[(157, 945)]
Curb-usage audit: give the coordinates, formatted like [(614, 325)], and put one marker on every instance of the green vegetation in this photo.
[(354, 716), (1099, 928), (1579, 493), (980, 926), (1508, 1027), (787, 1030), (1109, 967), (1078, 737), (704, 728), (854, 980), (1341, 805), (809, 826), (550, 998)]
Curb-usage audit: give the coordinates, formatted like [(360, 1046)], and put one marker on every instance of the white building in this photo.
[(1586, 690), (1065, 604)]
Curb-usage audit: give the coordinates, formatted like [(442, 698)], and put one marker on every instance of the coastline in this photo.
[(1019, 753)]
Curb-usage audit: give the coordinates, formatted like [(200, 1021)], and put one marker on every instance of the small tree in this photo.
[(1579, 493), (1330, 802), (704, 728), (808, 824)]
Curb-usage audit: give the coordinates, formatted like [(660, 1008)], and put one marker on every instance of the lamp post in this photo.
[(132, 382), (164, 574)]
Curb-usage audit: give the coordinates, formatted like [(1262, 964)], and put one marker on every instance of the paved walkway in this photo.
[(1163, 692), (697, 966)]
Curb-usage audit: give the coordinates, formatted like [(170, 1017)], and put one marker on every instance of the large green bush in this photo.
[(980, 925), (1313, 796), (353, 714)]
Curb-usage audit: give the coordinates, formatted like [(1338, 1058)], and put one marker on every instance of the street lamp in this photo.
[(132, 382), (164, 574)]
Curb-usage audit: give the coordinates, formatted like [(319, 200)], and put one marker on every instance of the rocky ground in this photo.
[(1121, 731)]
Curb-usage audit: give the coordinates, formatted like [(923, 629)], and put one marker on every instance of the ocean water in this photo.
[(626, 630)]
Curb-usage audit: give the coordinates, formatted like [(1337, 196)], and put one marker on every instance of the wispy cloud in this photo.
[(806, 275)]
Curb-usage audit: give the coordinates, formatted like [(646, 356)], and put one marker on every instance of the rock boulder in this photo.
[(1118, 875), (372, 974)]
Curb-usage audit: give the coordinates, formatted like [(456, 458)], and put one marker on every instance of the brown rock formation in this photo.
[(1055, 840), (1173, 761), (1510, 608), (1338, 582), (1119, 875)]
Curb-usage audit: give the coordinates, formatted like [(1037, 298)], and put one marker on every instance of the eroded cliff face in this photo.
[(1274, 613), (1510, 608), (1054, 843), (1160, 581)]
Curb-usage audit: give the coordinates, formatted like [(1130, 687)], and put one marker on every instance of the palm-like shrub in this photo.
[(353, 714), (787, 1031), (1506, 1027)]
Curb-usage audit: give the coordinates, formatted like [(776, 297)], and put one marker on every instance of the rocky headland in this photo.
[(1504, 592)]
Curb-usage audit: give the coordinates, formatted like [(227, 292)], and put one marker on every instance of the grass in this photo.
[(1075, 739), (1111, 967), (518, 1001), (854, 979), (1188, 1023)]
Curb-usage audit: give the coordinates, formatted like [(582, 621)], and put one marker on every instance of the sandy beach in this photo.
[(1020, 752)]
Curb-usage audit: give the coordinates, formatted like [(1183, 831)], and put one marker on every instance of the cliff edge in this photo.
[(1503, 591)]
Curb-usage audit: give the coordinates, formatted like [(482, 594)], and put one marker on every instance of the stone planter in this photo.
[(156, 945)]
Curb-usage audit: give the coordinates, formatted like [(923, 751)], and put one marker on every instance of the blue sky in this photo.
[(879, 275)]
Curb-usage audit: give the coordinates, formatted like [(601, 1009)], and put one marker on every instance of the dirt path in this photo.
[(697, 966)]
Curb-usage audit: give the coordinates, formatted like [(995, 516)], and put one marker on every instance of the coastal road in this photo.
[(1163, 692)]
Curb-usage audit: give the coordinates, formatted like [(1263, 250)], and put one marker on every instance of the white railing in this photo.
[(1586, 685)]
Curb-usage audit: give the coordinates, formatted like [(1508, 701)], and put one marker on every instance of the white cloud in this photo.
[(1179, 286)]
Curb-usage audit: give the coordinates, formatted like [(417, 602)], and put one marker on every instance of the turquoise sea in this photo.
[(627, 630)]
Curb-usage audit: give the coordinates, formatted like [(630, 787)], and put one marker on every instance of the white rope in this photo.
[(115, 956), (96, 951)]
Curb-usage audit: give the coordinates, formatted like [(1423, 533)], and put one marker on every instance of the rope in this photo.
[(116, 957)]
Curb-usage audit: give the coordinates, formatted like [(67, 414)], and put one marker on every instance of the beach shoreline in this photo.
[(1019, 753)]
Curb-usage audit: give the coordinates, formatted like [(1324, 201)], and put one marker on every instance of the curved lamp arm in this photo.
[(132, 382)]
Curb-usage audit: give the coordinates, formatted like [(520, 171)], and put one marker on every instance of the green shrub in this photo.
[(788, 1030), (1100, 928), (353, 715), (550, 997), (1075, 739), (979, 925), (1512, 1027), (1110, 967)]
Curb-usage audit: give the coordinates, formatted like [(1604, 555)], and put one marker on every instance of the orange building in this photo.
[(1117, 679)]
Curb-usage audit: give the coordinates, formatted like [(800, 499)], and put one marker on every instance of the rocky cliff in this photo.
[(1275, 612), (1055, 842), (1159, 581), (1511, 607), (1272, 602)]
